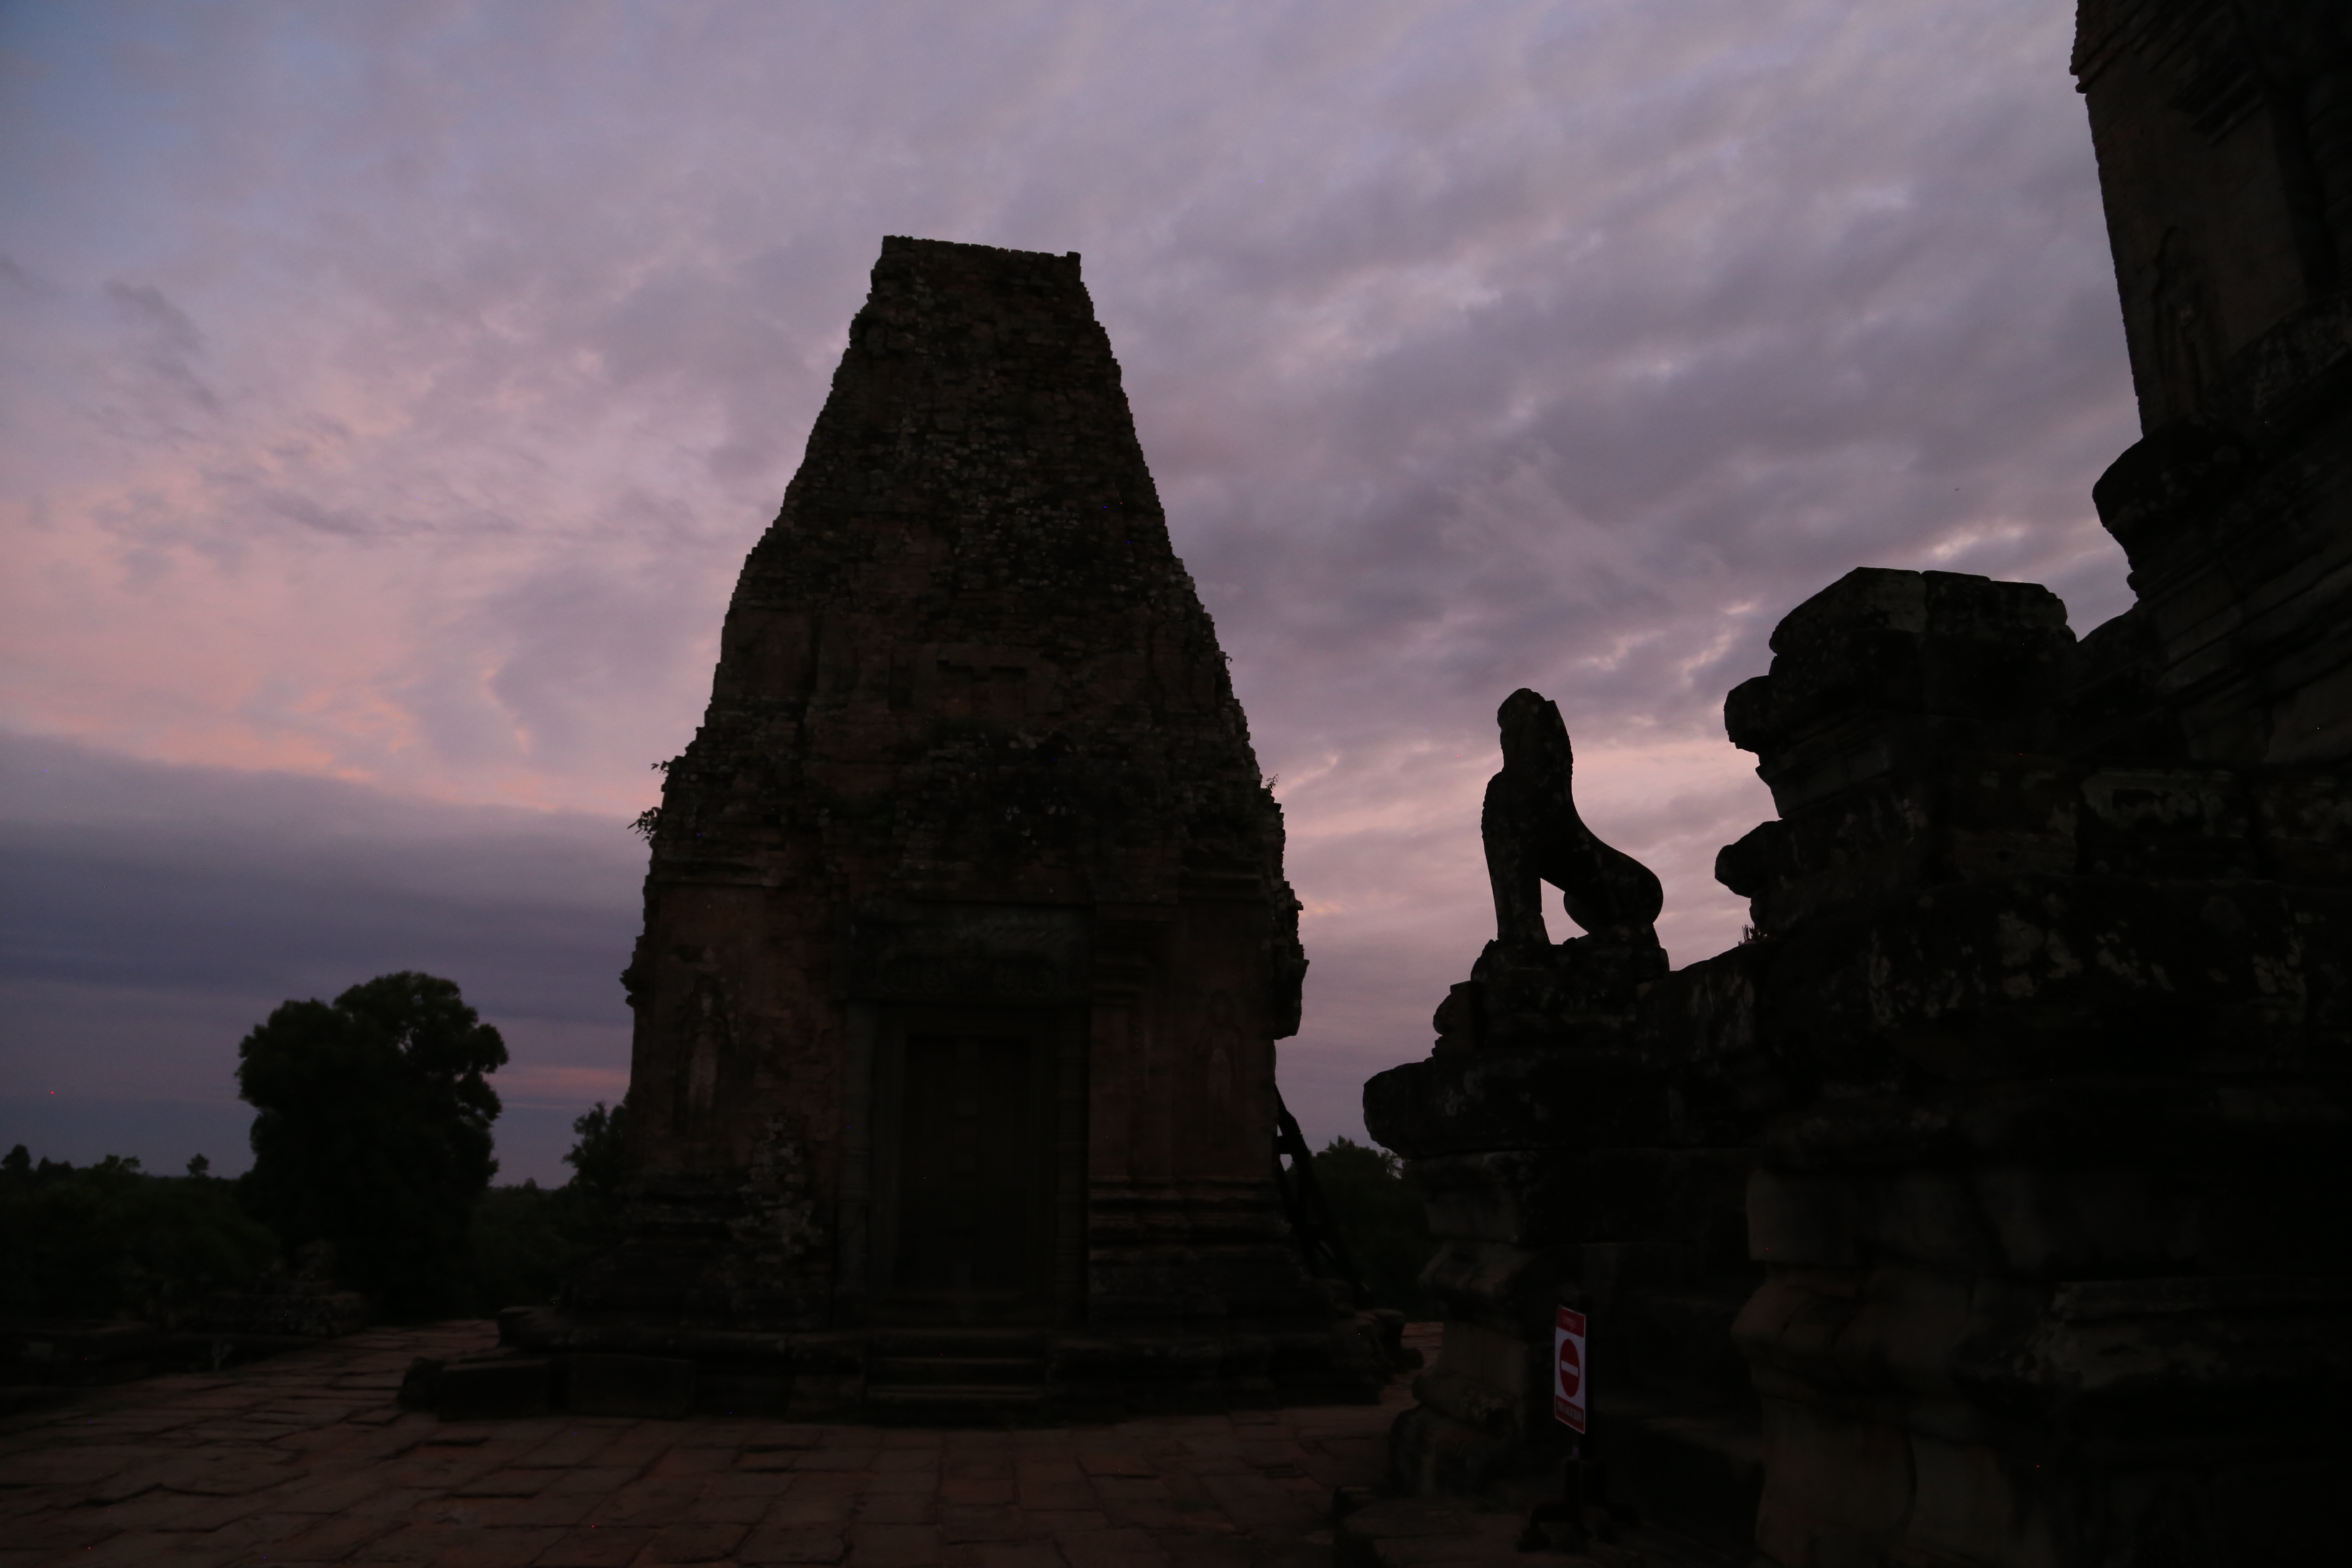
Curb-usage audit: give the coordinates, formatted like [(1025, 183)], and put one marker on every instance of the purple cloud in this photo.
[(390, 395)]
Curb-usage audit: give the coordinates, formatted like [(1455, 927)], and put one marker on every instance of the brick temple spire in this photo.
[(967, 939)]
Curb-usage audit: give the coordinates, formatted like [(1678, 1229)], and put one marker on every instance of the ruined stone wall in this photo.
[(1988, 1204), (2054, 1223), (2054, 956)]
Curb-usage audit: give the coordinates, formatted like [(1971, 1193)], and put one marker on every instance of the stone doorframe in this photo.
[(961, 967), (1056, 1099)]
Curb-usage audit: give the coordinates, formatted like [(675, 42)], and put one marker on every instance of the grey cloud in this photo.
[(167, 324), (166, 389), (580, 641), (86, 829), (339, 520), (152, 914)]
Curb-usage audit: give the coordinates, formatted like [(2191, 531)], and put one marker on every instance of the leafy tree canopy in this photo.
[(529, 1242), (374, 1134), (599, 1160)]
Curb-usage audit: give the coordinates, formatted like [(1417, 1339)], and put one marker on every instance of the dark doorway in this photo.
[(966, 1167)]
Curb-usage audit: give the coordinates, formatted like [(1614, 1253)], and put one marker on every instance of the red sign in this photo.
[(1567, 1369)]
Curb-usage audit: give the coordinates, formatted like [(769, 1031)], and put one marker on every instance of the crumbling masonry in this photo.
[(1993, 1205)]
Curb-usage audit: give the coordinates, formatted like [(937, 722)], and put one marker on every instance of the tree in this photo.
[(600, 1159), (108, 1240), (1382, 1217), (374, 1134), (531, 1241)]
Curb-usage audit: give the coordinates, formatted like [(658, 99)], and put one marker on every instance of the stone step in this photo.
[(1468, 1532), (959, 1376), (955, 1404), (986, 1344), (959, 1370), (1698, 1474)]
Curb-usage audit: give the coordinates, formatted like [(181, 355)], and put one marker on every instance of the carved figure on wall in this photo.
[(1534, 835), (2182, 329)]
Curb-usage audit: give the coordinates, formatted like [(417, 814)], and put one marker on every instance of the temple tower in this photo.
[(2224, 137), (966, 940)]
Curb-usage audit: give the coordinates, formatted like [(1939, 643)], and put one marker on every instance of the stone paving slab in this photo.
[(306, 1458), (1456, 1533)]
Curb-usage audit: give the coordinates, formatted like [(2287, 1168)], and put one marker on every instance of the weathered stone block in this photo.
[(1800, 1220), (1884, 840), (2303, 821), (1980, 1504), (656, 1386), (1883, 666), (1700, 1020), (500, 1388), (1694, 1197), (1703, 1471), (1472, 1103), (2067, 1120), (1833, 1487), (1537, 1198), (1495, 1283), (2060, 973), (1675, 1342), (2174, 823), (1518, 1196)]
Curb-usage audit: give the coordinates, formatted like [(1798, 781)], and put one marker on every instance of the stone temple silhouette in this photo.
[(967, 939)]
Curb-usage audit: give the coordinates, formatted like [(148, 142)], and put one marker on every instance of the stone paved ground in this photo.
[(306, 1458)]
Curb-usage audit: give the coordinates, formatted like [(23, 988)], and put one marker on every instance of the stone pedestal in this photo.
[(1580, 1134)]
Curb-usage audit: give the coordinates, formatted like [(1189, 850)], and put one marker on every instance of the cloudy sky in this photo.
[(389, 393)]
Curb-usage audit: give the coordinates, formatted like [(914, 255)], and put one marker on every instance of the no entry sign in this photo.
[(1567, 1369)]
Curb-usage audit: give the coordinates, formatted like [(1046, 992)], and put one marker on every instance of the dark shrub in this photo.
[(109, 1241), (528, 1239), (1381, 1218)]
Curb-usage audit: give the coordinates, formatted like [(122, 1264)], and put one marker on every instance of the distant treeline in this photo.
[(111, 1241), (372, 1136), (108, 1240)]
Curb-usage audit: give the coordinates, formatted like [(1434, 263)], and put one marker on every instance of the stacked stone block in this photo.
[(2054, 1230)]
